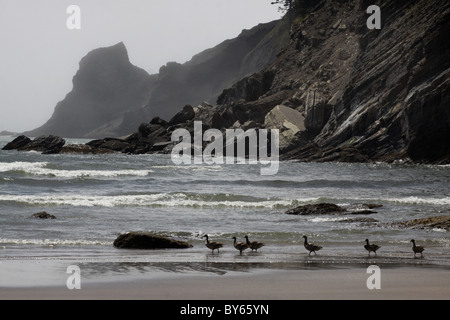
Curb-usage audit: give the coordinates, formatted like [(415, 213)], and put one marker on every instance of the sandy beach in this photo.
[(343, 283)]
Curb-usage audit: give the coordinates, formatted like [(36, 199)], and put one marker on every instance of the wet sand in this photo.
[(347, 283)]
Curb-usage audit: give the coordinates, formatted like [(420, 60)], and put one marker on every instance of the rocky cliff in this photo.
[(339, 91), (106, 88), (379, 95), (207, 74), (111, 97)]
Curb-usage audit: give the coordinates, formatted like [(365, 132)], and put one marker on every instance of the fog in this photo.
[(40, 54)]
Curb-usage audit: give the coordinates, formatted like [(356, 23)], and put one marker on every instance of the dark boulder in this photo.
[(321, 208), (146, 240), (159, 121), (112, 144), (330, 208), (183, 116), (161, 146), (155, 131), (43, 215), (17, 143), (48, 144)]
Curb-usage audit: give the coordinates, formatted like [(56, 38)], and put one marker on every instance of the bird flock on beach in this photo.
[(311, 247)]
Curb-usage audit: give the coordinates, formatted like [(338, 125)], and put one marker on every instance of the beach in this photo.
[(347, 282), (96, 198)]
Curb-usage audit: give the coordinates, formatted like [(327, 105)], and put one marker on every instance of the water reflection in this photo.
[(96, 270)]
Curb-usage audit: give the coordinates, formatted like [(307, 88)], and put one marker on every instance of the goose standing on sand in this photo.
[(239, 245), (212, 244), (417, 249), (254, 245), (310, 246), (371, 247)]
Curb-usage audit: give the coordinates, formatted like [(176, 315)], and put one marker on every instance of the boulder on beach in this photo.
[(43, 215), (289, 121), (147, 240)]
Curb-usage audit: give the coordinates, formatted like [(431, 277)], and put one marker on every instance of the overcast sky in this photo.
[(39, 55)]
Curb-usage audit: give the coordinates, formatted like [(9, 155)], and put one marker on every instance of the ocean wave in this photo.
[(40, 169), (322, 219), (190, 167), (411, 200), (418, 200), (152, 200), (21, 166), (54, 242)]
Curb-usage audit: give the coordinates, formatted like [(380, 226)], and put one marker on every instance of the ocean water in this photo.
[(97, 197)]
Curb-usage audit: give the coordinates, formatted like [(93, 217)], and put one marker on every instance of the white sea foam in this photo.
[(90, 173), (40, 169), (439, 230), (321, 219), (156, 200), (191, 167), (54, 242), (418, 200), (21, 166)]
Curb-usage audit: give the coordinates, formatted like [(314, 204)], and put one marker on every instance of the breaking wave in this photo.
[(151, 200), (418, 200), (54, 242), (41, 169), (193, 200)]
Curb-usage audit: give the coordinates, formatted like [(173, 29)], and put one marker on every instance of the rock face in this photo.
[(105, 89), (289, 121), (111, 97), (343, 92), (207, 74), (366, 95), (144, 240)]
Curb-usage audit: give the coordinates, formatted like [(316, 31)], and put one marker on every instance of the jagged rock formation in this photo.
[(17, 143), (384, 93), (111, 97), (207, 74), (45, 144), (357, 94), (365, 94), (107, 88)]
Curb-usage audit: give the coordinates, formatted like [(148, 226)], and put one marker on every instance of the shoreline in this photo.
[(241, 282)]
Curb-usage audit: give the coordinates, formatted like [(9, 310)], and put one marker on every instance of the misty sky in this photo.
[(39, 55)]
